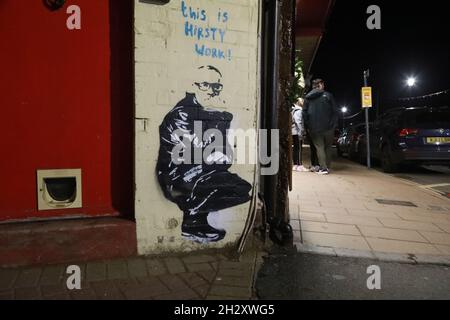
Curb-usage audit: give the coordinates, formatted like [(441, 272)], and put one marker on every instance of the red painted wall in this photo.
[(65, 105)]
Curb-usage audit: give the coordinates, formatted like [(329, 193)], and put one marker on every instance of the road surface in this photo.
[(295, 276)]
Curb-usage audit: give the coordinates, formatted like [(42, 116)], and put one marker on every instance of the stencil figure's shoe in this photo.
[(197, 228)]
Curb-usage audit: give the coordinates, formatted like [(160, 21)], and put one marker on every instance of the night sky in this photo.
[(413, 41)]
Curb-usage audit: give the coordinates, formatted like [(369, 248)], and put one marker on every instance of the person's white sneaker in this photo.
[(295, 168), (302, 169)]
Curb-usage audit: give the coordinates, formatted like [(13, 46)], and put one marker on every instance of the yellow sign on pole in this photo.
[(366, 95)]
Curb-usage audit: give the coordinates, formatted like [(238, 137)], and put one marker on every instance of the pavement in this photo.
[(347, 214), (341, 217), (192, 276), (299, 276), (434, 178)]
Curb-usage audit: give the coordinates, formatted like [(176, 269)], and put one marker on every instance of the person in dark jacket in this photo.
[(321, 118), (199, 186)]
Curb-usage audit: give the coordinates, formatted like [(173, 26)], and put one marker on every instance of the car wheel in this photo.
[(387, 164)]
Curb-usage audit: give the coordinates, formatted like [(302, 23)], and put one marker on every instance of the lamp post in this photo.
[(344, 110), (366, 84)]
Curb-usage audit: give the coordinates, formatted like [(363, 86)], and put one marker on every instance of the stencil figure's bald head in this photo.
[(207, 86)]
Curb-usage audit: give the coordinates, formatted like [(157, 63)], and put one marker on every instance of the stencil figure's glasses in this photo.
[(216, 88)]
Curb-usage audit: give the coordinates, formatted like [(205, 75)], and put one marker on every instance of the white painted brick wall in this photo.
[(164, 61)]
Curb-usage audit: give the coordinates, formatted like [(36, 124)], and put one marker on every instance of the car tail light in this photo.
[(407, 132)]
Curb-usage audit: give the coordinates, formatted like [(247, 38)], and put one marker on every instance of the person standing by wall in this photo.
[(298, 133), (321, 118)]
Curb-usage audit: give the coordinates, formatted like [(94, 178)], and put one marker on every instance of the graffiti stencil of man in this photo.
[(199, 185)]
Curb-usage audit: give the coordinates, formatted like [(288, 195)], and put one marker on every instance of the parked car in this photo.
[(337, 134), (352, 142), (419, 135)]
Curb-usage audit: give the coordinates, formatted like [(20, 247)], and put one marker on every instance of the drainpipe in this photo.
[(270, 94), (274, 61), (280, 231)]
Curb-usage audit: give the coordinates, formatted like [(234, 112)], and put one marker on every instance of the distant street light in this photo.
[(344, 111), (411, 82)]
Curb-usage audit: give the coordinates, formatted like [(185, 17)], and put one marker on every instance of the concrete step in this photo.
[(66, 241)]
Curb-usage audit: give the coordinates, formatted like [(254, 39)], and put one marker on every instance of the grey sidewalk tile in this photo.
[(31, 293), (173, 282), (123, 284), (155, 267), (137, 268), (95, 271), (235, 265), (52, 275), (215, 265), (220, 298), (174, 265), (202, 291), (139, 293), (234, 272), (145, 292), (199, 259), (106, 290), (52, 290), (227, 291), (155, 286), (221, 257), (117, 270), (193, 280), (234, 281), (59, 297), (83, 294), (306, 248), (248, 257), (199, 267), (187, 294), (208, 275), (28, 278), (7, 278), (7, 295)]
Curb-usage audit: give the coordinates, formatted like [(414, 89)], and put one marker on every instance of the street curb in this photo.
[(374, 255), (436, 194), (415, 184)]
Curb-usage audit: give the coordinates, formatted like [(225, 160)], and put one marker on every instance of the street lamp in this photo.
[(344, 110), (411, 82)]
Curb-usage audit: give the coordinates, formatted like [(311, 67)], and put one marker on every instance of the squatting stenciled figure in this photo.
[(195, 156)]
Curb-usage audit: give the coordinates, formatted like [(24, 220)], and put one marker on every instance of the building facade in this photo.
[(102, 99), (196, 61)]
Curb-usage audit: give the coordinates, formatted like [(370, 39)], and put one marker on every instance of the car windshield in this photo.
[(427, 118)]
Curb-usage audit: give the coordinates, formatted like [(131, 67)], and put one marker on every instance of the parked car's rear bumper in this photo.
[(441, 156)]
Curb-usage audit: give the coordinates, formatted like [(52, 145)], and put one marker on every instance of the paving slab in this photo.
[(340, 215)]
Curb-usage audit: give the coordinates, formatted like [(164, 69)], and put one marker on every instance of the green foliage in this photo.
[(296, 90)]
